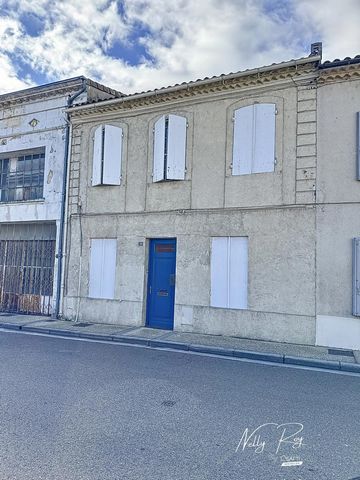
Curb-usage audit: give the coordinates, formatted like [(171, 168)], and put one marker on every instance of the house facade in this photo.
[(338, 204), (196, 207), (34, 134)]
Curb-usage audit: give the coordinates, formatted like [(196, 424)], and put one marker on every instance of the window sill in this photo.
[(23, 202)]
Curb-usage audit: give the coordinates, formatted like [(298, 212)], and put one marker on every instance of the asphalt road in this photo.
[(81, 410)]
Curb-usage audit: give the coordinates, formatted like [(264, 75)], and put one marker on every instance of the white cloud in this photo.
[(186, 39)]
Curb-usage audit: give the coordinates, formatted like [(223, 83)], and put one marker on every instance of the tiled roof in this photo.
[(339, 63), (215, 78)]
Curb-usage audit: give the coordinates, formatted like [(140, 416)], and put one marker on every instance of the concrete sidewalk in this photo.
[(319, 357)]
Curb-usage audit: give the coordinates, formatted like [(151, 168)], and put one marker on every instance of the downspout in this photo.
[(63, 201)]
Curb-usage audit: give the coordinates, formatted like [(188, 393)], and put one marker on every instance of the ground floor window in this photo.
[(229, 272), (102, 268)]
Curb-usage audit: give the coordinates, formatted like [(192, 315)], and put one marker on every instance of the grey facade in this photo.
[(33, 136), (277, 210)]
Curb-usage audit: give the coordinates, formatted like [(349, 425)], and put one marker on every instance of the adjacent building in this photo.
[(34, 136)]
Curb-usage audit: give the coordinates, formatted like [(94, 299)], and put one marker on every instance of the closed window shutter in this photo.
[(356, 276), (109, 267), (243, 140), (229, 272), (96, 254), (238, 272), (159, 150), (102, 268), (112, 155), (176, 148), (219, 272), (97, 156), (264, 138)]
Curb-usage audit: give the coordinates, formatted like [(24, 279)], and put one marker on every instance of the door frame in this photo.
[(149, 277)]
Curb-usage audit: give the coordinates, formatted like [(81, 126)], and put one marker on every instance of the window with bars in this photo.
[(22, 175)]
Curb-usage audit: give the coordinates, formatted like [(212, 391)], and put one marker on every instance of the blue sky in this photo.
[(136, 45)]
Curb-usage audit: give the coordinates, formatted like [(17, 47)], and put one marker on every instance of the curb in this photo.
[(10, 326), (312, 362), (206, 349)]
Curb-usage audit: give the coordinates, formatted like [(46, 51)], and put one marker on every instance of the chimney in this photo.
[(316, 49)]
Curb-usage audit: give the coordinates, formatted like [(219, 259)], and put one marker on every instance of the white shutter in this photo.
[(102, 268), (356, 276), (96, 254), (219, 272), (112, 155), (109, 267), (176, 148), (159, 149), (264, 138), (97, 156), (238, 272), (243, 140)]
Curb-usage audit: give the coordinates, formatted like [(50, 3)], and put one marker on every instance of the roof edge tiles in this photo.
[(55, 87), (186, 85), (340, 63)]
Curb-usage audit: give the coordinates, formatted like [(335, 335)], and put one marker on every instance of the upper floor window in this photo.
[(254, 139), (107, 155), (22, 175), (169, 148)]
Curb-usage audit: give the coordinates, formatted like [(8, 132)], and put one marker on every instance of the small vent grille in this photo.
[(168, 403), (344, 353)]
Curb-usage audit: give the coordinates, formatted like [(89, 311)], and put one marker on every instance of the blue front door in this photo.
[(161, 283)]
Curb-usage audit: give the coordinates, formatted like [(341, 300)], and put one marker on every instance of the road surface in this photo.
[(84, 410)]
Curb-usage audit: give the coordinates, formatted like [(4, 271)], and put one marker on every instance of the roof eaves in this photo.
[(199, 82), (340, 63)]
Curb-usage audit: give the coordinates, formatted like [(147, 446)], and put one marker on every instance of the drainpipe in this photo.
[(63, 200)]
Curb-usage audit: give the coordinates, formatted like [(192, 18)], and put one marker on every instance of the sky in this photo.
[(137, 45)]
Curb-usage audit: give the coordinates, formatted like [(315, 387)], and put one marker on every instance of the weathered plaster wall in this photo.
[(49, 132), (338, 212), (281, 292), (273, 209)]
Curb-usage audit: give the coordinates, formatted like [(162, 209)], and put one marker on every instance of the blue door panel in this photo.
[(161, 283)]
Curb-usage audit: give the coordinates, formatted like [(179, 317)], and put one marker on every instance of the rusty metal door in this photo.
[(26, 276)]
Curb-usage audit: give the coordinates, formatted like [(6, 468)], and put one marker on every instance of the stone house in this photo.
[(223, 206)]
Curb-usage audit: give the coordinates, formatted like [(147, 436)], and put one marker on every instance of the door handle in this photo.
[(172, 279)]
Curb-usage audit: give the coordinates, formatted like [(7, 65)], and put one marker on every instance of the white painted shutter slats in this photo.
[(264, 138), (243, 140), (238, 272), (112, 155), (229, 272), (159, 150), (219, 272), (97, 156), (356, 276), (254, 139), (102, 268), (176, 148)]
